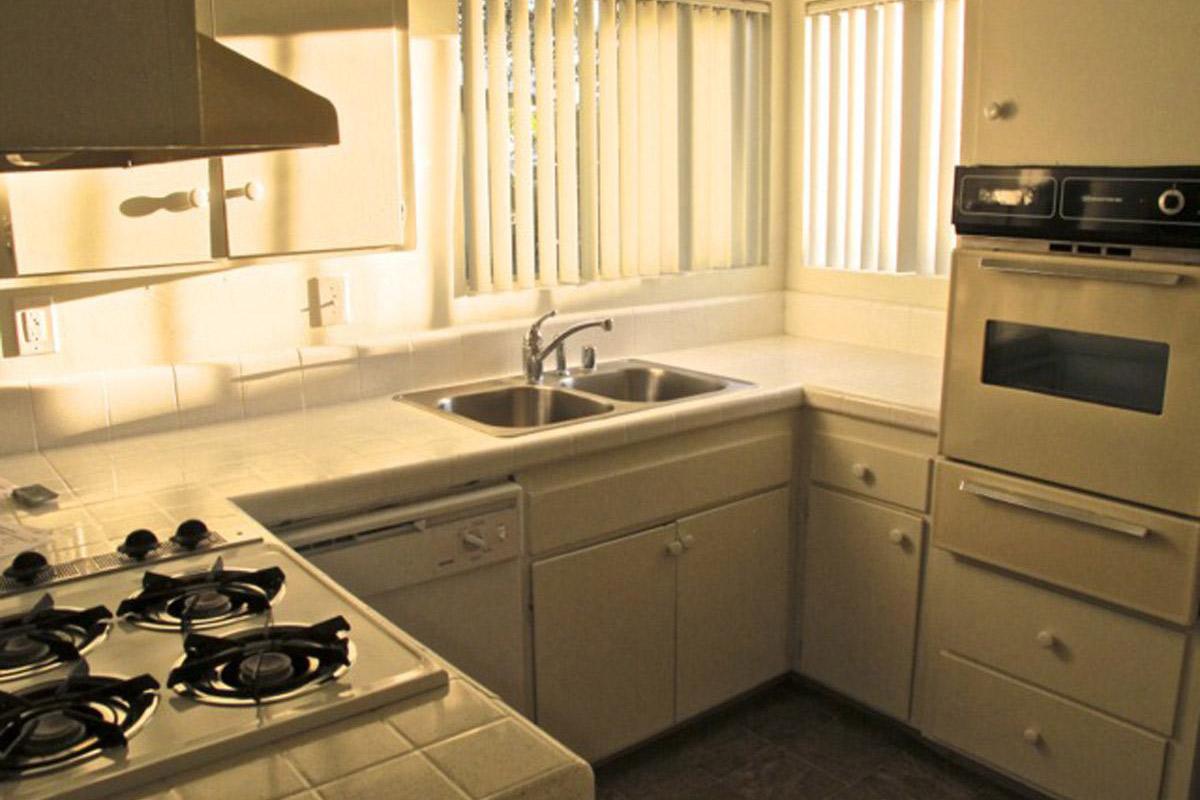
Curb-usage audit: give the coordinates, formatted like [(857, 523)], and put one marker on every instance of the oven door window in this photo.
[(1108, 370)]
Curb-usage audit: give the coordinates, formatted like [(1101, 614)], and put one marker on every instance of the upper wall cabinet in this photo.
[(330, 198), (104, 218), (1103, 82), (343, 197)]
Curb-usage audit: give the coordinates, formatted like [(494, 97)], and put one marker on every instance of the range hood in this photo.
[(97, 83)]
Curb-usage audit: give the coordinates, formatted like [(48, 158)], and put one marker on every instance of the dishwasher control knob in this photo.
[(473, 541), (190, 534), (139, 543), (1171, 202), (26, 567)]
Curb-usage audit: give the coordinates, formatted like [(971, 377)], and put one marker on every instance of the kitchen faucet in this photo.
[(533, 353)]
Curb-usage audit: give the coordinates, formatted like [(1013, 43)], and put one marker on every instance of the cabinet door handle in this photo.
[(675, 548), (688, 540), (861, 471), (897, 537), (1032, 735), (1046, 639), (1054, 509)]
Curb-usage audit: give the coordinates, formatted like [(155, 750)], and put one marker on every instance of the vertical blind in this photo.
[(612, 138), (883, 102)]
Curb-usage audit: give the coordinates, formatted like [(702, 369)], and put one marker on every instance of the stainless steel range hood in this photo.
[(97, 83)]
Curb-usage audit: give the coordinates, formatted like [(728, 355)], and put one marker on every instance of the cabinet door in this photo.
[(862, 565), (733, 600), (1089, 81), (326, 198), (604, 642), (96, 219)]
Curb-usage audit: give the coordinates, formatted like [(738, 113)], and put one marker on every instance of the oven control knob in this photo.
[(190, 534), (139, 543), (26, 566), (1171, 202)]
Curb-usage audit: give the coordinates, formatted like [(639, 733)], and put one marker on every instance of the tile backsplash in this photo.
[(102, 406)]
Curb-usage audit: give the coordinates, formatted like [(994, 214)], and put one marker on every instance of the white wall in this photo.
[(260, 307)]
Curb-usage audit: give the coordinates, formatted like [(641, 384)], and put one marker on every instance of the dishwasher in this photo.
[(448, 571)]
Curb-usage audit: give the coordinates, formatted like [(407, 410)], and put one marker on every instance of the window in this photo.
[(883, 102), (611, 138)]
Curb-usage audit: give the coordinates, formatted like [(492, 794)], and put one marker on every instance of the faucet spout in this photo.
[(534, 354)]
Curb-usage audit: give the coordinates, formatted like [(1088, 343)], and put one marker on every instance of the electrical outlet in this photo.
[(328, 301), (36, 329)]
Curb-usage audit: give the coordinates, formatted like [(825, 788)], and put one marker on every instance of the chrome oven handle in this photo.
[(1099, 273), (1054, 509)]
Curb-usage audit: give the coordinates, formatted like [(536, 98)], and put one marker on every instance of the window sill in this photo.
[(925, 291)]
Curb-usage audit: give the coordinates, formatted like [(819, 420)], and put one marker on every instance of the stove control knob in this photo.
[(26, 567), (190, 534), (1171, 202), (139, 543)]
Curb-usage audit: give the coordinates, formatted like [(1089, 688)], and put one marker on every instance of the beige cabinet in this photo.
[(861, 582), (351, 195), (634, 635), (731, 632), (604, 642), (1100, 82), (76, 220)]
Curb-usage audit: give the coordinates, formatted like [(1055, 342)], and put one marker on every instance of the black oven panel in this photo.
[(1153, 206)]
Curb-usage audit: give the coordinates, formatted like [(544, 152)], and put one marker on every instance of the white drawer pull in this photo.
[(1046, 639), (861, 471), (1054, 509), (675, 548), (897, 537), (1032, 735)]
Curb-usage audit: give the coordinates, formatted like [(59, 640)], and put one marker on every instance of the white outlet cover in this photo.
[(37, 329), (332, 297)]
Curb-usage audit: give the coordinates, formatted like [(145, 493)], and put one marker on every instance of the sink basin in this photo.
[(522, 406), (645, 384)]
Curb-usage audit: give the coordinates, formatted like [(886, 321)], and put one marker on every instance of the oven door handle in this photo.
[(1098, 273), (1054, 509)]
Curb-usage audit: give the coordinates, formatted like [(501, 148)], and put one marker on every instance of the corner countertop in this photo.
[(461, 742)]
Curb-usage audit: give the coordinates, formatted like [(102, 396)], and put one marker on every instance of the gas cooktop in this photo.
[(210, 651)]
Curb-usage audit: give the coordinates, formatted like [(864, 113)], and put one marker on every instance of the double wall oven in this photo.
[(1073, 353)]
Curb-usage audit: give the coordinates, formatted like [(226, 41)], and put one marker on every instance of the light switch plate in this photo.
[(37, 331), (328, 301)]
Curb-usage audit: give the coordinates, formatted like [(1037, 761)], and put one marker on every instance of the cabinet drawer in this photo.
[(1045, 740), (1057, 642), (895, 476), (1124, 554)]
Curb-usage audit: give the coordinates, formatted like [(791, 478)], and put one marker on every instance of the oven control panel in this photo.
[(1154, 206)]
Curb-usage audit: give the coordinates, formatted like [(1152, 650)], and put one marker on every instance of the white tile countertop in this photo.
[(464, 742)]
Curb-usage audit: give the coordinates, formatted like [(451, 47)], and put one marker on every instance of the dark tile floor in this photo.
[(791, 742)]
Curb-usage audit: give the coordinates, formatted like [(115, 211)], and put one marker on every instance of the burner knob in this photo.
[(190, 533), (139, 543), (26, 566)]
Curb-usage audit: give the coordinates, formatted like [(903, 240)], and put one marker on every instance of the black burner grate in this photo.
[(200, 600), (45, 637)]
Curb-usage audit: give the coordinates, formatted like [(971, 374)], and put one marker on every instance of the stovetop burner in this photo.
[(45, 637), (263, 665), (65, 722), (200, 600)]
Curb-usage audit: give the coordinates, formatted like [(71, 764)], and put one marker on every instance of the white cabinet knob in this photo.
[(1032, 735), (993, 112), (675, 548), (254, 191), (861, 471), (198, 198), (897, 536), (688, 540), (1046, 639)]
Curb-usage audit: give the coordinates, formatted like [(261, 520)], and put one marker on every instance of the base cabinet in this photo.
[(861, 582), (634, 635)]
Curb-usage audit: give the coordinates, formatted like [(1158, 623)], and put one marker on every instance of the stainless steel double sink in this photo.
[(511, 406)]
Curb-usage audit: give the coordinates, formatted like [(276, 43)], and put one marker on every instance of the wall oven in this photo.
[(1073, 349)]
